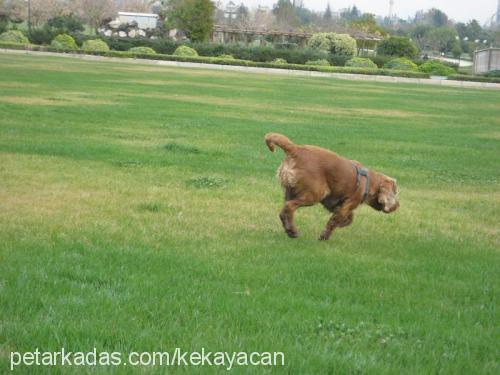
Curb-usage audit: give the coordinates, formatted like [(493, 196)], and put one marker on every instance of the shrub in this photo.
[(381, 60), (14, 36), (493, 73), (397, 46), (226, 57), (401, 63), (336, 44), (142, 50), (4, 23), (43, 35), (338, 60), (212, 60), (469, 77), (320, 62), (64, 41), (95, 45), (436, 68), (238, 51), (66, 24), (360, 62), (185, 51), (279, 61)]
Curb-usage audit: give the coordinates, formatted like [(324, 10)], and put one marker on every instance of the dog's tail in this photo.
[(281, 141)]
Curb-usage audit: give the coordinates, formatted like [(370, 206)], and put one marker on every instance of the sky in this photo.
[(459, 10)]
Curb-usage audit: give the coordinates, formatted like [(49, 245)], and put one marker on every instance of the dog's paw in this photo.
[(324, 236), (292, 234)]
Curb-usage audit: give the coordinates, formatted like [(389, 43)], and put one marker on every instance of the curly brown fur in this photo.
[(311, 175)]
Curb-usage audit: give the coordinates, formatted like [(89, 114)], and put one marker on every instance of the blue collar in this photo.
[(362, 172)]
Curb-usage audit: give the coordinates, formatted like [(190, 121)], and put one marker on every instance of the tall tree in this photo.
[(441, 39), (351, 14), (327, 16), (41, 10), (194, 17), (285, 14), (438, 18), (93, 12), (141, 6)]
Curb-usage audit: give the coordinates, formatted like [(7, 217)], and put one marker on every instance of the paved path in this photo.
[(303, 73)]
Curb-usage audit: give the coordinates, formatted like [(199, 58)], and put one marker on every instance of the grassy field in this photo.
[(139, 212)]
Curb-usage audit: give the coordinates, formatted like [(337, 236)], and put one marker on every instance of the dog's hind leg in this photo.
[(342, 217), (286, 214)]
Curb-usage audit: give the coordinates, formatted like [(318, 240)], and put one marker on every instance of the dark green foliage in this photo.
[(493, 73), (195, 17), (380, 60), (43, 35), (4, 24), (338, 60), (436, 68), (397, 46), (66, 24)]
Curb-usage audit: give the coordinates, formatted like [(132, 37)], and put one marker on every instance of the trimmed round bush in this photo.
[(64, 41), (361, 62), (185, 51), (279, 61), (142, 50), (14, 36), (397, 46), (401, 63), (319, 62), (435, 68), (336, 44), (226, 57), (96, 45)]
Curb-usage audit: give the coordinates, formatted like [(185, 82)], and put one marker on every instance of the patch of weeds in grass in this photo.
[(182, 149), (206, 182), (340, 332), (155, 207), (150, 206)]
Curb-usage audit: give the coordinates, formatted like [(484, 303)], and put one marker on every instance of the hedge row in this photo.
[(254, 53), (466, 77), (224, 61)]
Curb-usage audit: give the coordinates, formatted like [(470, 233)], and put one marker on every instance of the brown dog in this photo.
[(311, 174)]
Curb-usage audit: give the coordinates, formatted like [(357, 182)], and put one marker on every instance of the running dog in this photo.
[(311, 175)]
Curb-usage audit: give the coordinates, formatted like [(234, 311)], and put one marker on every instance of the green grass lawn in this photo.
[(139, 212)]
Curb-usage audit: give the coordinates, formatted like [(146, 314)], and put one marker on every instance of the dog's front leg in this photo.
[(339, 219)]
